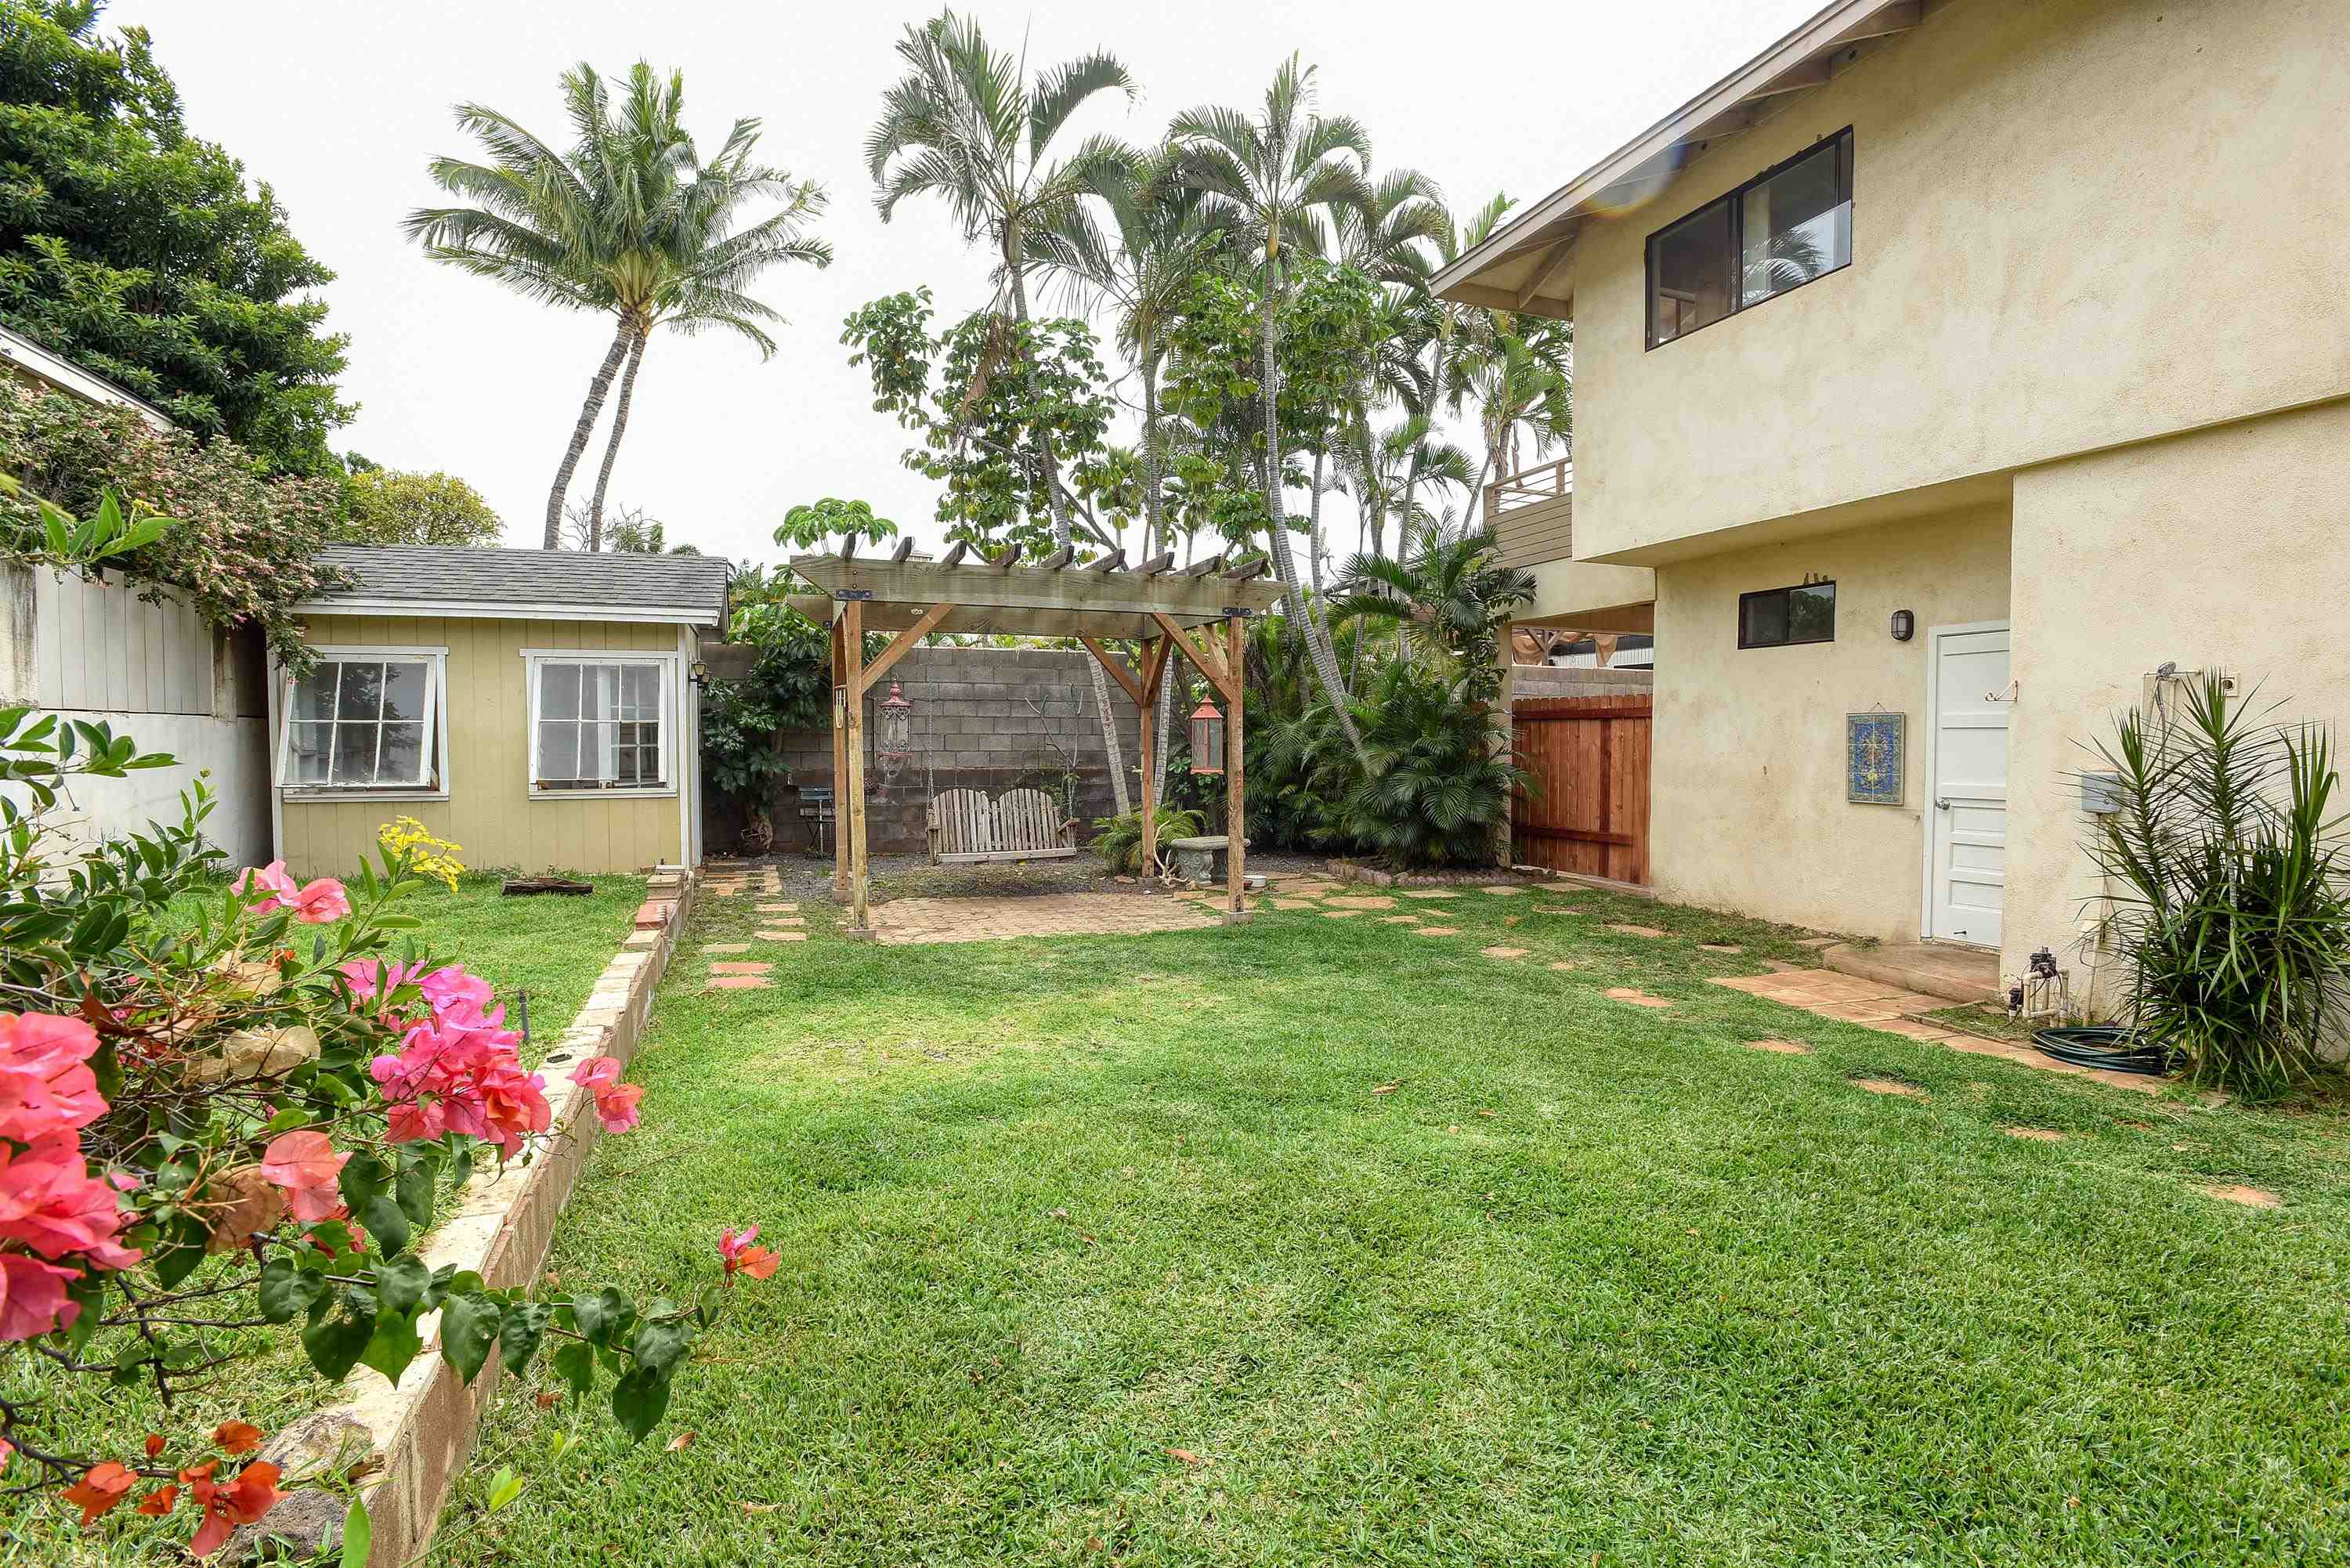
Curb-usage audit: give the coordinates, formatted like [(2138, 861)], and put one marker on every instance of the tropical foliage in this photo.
[(387, 506), (138, 250)]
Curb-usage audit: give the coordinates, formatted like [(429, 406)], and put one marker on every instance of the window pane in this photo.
[(313, 694), (641, 691), (401, 759), (312, 747), (599, 690), (403, 692), (1798, 225), (596, 745), (1811, 614), (1764, 620), (362, 692), (558, 751), (1691, 270), (354, 755), (558, 692)]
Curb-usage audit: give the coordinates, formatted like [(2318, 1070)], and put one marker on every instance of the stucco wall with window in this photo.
[(491, 807), (2225, 549), (2075, 222), (1747, 807)]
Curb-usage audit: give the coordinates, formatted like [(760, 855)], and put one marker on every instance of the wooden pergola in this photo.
[(1162, 609)]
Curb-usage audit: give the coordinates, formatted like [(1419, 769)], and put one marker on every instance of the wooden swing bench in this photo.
[(966, 828)]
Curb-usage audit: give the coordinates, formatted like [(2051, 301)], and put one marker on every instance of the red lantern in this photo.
[(1207, 739)]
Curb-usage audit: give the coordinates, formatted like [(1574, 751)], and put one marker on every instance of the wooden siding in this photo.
[(1533, 534), (1587, 809), (490, 811), (101, 648)]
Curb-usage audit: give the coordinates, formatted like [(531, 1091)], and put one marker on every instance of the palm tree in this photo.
[(1270, 182), (1517, 381), (630, 221), (1451, 323), (1452, 587), (963, 126)]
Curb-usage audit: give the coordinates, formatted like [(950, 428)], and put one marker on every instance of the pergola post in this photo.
[(1235, 805), (1149, 767), (852, 655), (839, 767)]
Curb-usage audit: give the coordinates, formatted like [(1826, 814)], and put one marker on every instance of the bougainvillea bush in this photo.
[(283, 1085)]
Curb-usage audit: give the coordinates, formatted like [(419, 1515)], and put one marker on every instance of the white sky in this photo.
[(339, 104)]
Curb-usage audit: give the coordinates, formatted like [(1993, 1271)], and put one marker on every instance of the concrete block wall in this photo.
[(984, 718)]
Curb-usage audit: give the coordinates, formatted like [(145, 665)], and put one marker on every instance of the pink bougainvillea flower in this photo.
[(52, 1205), (457, 1071), (615, 1103), (734, 1247), (33, 1298), (596, 1072), (7, 1449), (306, 1165), (320, 901), (372, 978), (43, 1086), (452, 990), (275, 888)]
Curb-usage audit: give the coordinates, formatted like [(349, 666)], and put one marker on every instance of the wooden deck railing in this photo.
[(1528, 487)]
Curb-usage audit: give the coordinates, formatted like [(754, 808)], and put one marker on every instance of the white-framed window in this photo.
[(367, 719), (601, 723)]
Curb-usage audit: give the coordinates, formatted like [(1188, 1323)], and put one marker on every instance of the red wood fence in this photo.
[(1586, 808)]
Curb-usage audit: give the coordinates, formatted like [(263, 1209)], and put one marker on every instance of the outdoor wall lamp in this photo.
[(1905, 625), (699, 673)]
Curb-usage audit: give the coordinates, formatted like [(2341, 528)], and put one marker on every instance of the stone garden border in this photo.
[(415, 1437)]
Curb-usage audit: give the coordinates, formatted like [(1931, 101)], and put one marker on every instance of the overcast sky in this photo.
[(340, 104)]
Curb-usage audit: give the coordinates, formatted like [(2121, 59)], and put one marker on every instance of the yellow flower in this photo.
[(407, 840)]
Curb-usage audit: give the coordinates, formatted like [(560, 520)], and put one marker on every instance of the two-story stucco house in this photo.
[(1970, 361)]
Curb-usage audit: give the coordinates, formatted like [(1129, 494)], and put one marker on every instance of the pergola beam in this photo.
[(1012, 591), (1203, 655), (1118, 670)]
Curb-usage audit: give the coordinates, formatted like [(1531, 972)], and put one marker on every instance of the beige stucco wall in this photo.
[(1747, 784), (2076, 223), (2224, 549), (490, 811)]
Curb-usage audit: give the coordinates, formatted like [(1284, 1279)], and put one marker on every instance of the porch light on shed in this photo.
[(1207, 739), (1905, 625), (896, 730)]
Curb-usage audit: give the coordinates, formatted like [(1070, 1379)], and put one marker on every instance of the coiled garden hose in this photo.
[(2104, 1046)]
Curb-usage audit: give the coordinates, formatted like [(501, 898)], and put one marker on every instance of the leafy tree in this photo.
[(635, 533), (807, 526), (632, 223), (138, 250), (387, 506)]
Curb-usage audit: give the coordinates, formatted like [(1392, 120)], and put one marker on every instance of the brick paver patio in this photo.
[(905, 922)]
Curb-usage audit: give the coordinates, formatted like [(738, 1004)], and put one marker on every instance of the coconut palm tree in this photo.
[(1272, 182), (630, 222), (964, 126), (1452, 325)]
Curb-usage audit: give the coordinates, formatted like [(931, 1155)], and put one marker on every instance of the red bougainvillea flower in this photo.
[(33, 1297), (97, 1493), (320, 901), (734, 1247), (158, 1504), (43, 1086), (236, 1437), (615, 1103), (154, 1444), (51, 1203), (276, 888), (7, 1451), (242, 1501), (306, 1165), (457, 1071)]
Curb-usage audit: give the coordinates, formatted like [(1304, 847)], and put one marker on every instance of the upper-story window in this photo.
[(1773, 234)]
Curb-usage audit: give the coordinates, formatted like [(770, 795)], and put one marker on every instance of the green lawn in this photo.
[(554, 948), (1590, 1283)]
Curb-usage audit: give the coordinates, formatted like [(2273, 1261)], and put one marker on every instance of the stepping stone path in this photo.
[(741, 967), (1398, 919), (1436, 930), (1502, 891), (1720, 948), (775, 908), (1341, 914), (780, 936), (1651, 931), (1889, 1086), (1293, 903), (2236, 1192), (1504, 952), (741, 982), (726, 947), (2037, 1135), (1779, 1047), (1817, 942), (1364, 901), (1636, 998), (1567, 964), (1428, 893)]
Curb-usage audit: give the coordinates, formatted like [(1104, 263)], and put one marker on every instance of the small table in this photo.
[(1195, 858)]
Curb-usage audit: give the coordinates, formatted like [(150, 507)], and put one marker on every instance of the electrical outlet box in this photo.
[(2101, 794)]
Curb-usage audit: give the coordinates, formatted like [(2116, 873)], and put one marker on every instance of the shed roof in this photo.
[(463, 580)]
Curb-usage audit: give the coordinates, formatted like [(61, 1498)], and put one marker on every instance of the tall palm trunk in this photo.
[(1284, 560), (594, 406), (1411, 469), (1155, 524), (612, 446), (1113, 754)]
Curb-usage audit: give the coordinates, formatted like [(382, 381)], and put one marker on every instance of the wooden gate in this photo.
[(1587, 809)]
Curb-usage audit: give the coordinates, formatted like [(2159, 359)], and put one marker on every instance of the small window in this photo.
[(1775, 617), (364, 720), (599, 724), (1770, 237)]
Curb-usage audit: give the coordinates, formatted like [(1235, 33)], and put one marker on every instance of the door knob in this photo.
[(1942, 804)]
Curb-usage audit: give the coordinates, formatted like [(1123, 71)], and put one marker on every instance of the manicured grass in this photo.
[(1422, 1256), (553, 947)]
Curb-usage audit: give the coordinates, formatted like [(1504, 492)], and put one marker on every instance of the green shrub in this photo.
[(1118, 839), (1438, 787), (2225, 877)]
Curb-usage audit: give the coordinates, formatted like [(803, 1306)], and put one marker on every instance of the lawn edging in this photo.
[(414, 1437)]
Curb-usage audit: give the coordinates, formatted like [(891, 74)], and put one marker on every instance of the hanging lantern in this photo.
[(897, 732), (1207, 739)]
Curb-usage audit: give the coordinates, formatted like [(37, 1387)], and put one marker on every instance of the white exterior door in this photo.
[(1966, 815)]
